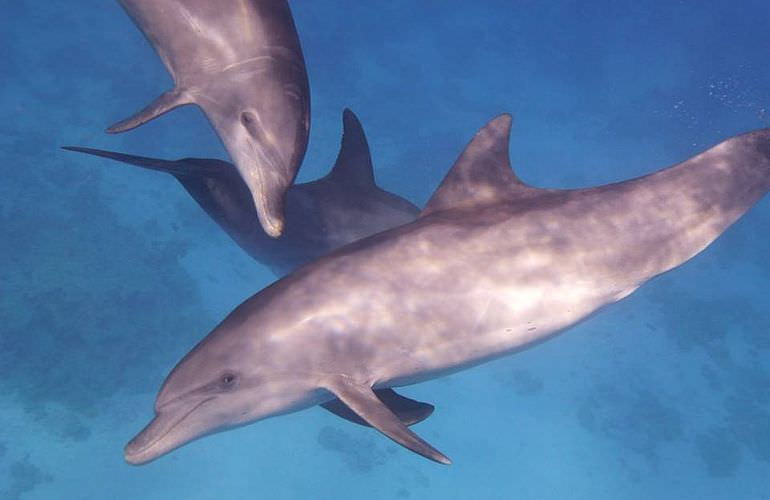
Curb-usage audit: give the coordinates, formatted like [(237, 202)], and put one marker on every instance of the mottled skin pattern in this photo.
[(491, 267), (241, 62), (322, 215)]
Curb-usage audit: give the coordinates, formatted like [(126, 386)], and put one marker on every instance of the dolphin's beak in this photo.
[(163, 434), (140, 449), (268, 175), (267, 150)]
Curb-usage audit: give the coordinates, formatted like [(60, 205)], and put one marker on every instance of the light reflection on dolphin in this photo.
[(491, 267), (323, 215), (241, 62)]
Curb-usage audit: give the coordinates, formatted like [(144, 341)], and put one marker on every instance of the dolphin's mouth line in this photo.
[(261, 154), (171, 428), (255, 157)]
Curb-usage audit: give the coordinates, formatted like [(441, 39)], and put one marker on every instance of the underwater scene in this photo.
[(416, 303)]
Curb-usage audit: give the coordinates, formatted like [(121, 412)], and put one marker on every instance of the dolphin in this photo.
[(492, 266), (322, 215), (242, 63)]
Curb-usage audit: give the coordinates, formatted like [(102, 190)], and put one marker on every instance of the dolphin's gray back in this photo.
[(342, 214), (195, 37), (463, 285)]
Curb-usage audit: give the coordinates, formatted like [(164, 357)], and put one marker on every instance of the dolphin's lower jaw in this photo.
[(134, 457), (153, 441)]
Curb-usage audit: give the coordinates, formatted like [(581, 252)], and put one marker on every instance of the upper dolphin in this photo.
[(491, 267), (241, 62), (322, 215)]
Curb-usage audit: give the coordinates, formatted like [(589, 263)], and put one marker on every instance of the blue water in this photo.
[(110, 274)]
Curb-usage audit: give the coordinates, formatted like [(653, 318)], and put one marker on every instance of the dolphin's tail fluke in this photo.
[(175, 168)]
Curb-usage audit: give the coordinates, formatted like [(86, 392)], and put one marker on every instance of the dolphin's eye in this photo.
[(250, 123), (247, 118), (228, 380)]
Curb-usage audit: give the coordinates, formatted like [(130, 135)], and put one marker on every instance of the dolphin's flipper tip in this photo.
[(121, 126), (427, 451), (176, 168), (407, 410), (129, 123), (362, 400), (163, 104), (91, 151)]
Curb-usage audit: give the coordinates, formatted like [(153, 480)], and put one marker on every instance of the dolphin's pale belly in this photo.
[(484, 326)]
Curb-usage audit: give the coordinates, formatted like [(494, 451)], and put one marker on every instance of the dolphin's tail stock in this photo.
[(727, 179), (176, 168), (682, 209)]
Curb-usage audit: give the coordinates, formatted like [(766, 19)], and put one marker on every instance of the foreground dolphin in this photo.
[(242, 63), (491, 267), (321, 215)]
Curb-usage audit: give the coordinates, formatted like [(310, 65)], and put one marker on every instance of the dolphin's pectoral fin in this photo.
[(362, 400), (177, 168), (163, 104), (171, 167), (407, 410)]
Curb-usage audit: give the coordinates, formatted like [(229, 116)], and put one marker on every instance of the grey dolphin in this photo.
[(322, 215), (491, 267), (242, 63)]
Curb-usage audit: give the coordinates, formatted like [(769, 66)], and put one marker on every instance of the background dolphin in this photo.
[(322, 215), (492, 266), (242, 63)]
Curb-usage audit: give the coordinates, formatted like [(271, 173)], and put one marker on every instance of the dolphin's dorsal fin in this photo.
[(482, 174), (179, 168), (354, 161), (360, 398), (163, 104), (407, 410)]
